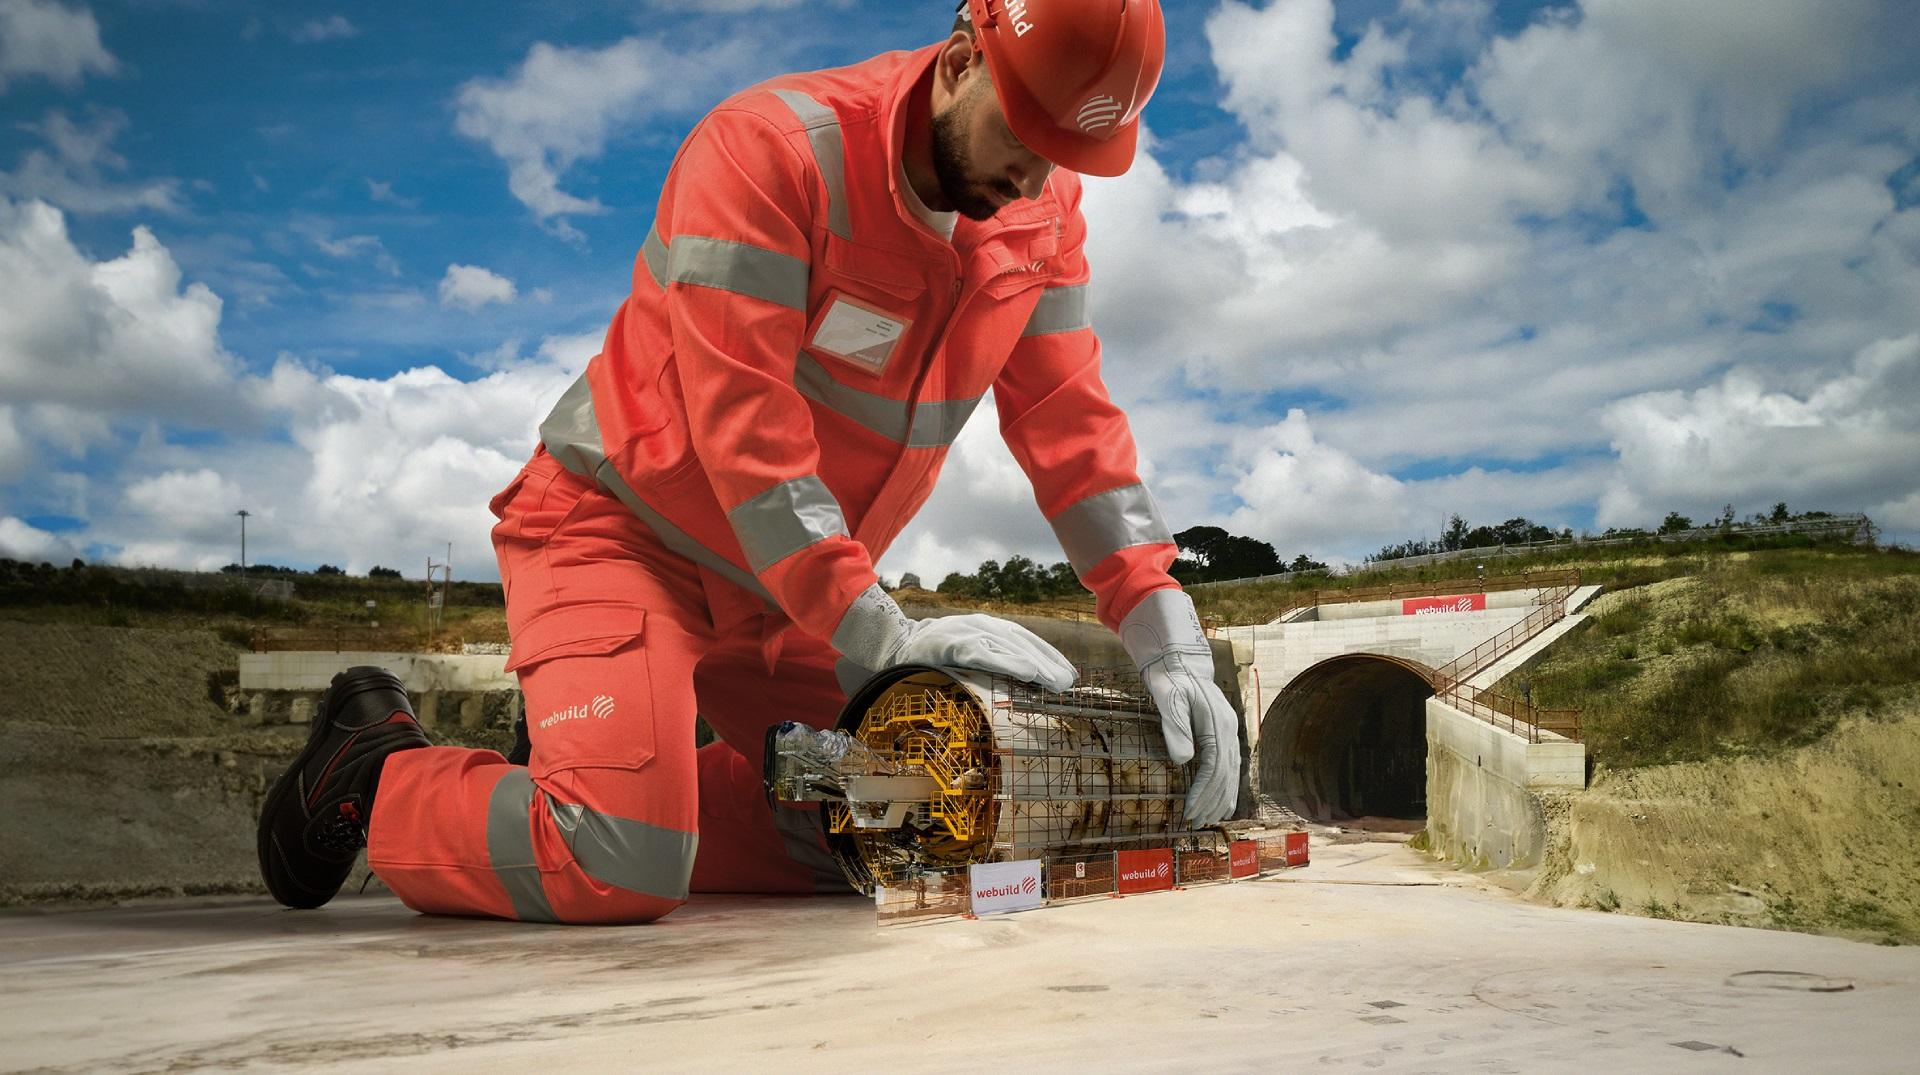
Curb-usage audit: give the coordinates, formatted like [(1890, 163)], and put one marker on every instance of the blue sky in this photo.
[(1385, 259)]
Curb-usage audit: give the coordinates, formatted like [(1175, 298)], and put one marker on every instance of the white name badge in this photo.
[(855, 332)]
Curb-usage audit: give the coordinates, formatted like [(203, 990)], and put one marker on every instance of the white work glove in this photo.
[(1163, 636), (876, 635)]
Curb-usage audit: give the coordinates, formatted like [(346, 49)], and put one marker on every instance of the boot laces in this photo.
[(344, 832)]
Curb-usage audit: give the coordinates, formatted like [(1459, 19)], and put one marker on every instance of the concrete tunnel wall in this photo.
[(1348, 738)]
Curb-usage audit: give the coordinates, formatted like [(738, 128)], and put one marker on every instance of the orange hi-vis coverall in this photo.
[(771, 406)]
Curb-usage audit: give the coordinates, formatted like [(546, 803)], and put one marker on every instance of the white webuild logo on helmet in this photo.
[(1017, 14), (1099, 112)]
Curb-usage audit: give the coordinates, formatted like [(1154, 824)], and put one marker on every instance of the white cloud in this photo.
[(74, 175), (561, 105), (187, 506), (39, 38), (19, 541), (470, 287), (15, 456), (348, 247), (355, 471), (1316, 495), (1848, 444), (383, 192), (332, 28), (122, 334)]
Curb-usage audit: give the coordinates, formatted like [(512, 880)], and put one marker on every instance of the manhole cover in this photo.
[(1792, 980)]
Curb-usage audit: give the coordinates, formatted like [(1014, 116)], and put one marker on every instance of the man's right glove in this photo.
[(1163, 636), (876, 635)]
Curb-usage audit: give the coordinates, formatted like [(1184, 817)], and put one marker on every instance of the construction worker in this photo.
[(842, 263)]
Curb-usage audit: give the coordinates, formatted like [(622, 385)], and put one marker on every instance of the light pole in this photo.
[(243, 513)]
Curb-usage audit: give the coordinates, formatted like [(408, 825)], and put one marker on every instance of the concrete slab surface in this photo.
[(1370, 959)]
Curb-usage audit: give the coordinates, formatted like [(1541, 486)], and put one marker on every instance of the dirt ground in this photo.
[(1367, 960), (1823, 838)]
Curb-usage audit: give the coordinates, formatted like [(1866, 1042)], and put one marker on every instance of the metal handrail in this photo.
[(1450, 680)]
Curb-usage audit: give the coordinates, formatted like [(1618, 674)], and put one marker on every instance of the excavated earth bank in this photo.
[(1823, 838), (131, 766)]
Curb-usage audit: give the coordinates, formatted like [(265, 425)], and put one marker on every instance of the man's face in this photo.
[(980, 164)]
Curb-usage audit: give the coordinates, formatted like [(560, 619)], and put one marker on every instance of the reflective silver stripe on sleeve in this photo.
[(571, 433), (510, 846), (741, 268), (829, 154), (1104, 523), (632, 855), (933, 424), (654, 253), (1061, 309), (783, 520), (936, 423)]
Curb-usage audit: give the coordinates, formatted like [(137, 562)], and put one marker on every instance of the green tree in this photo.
[(1197, 543), (1674, 523)]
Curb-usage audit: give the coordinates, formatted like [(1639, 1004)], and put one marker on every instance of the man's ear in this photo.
[(956, 58)]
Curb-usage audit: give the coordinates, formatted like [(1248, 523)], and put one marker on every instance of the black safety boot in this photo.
[(315, 819)]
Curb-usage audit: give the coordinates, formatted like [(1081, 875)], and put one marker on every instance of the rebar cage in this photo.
[(1017, 772)]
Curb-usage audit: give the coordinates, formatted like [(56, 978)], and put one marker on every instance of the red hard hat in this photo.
[(1073, 75)]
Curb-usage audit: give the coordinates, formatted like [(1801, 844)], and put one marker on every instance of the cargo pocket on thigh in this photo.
[(588, 688)]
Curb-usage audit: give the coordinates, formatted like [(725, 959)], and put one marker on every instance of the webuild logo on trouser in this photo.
[(600, 708)]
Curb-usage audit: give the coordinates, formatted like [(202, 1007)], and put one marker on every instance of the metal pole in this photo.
[(243, 513)]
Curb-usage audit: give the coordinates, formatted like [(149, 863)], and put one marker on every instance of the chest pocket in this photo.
[(867, 309), (1024, 261)]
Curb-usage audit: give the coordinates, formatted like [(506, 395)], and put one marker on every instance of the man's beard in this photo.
[(969, 197)]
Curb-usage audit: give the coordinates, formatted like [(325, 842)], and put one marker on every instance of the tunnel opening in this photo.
[(1347, 741)]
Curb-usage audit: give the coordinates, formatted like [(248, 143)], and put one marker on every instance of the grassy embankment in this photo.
[(110, 597)]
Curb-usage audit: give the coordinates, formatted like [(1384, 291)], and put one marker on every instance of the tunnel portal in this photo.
[(1348, 739)]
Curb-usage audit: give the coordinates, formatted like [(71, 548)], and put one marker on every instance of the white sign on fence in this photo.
[(1005, 886)]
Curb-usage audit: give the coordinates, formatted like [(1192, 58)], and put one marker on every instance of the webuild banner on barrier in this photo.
[(1296, 849), (1423, 606), (1145, 871), (998, 887), (1243, 858)]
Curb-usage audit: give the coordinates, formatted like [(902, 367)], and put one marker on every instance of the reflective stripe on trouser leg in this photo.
[(628, 854), (437, 832), (510, 846)]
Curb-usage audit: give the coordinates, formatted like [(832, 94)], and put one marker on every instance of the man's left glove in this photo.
[(1163, 637)]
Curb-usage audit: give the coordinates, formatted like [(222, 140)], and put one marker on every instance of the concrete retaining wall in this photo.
[(309, 670), (1483, 807)]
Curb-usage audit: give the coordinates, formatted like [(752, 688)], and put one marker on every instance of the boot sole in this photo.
[(273, 866)]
